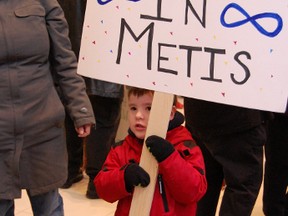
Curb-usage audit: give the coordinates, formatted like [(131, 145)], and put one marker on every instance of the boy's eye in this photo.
[(148, 108), (132, 108)]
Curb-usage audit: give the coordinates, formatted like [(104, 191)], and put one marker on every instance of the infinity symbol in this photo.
[(101, 2), (252, 20)]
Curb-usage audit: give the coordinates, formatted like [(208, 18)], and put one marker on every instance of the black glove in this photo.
[(159, 147), (135, 175)]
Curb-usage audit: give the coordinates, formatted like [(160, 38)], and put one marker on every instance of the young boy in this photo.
[(181, 179)]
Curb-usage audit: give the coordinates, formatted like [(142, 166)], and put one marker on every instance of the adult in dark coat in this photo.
[(275, 194), (74, 11), (34, 45), (231, 139), (106, 99)]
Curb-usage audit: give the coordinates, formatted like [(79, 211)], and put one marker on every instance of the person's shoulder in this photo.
[(117, 144)]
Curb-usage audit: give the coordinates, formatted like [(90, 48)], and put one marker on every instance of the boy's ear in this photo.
[(173, 111)]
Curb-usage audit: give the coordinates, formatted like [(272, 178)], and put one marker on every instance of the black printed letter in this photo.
[(189, 56), (212, 63), (246, 69), (158, 17), (165, 58), (149, 28), (189, 5)]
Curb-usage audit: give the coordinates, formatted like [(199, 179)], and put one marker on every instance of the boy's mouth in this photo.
[(140, 126)]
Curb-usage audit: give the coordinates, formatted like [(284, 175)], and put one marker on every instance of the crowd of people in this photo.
[(52, 120)]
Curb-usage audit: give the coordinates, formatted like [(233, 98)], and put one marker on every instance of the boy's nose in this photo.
[(139, 114)]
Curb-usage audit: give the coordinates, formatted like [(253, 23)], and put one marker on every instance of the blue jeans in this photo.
[(48, 204)]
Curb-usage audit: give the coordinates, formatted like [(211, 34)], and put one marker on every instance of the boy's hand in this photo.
[(135, 175), (159, 147)]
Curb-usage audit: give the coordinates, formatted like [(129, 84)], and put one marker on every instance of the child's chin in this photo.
[(140, 136)]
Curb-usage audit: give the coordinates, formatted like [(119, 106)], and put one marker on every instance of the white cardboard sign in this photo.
[(222, 51)]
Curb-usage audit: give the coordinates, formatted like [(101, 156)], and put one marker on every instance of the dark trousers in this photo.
[(74, 148), (107, 113), (275, 198), (237, 158)]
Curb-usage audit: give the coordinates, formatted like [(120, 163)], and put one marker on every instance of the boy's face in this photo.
[(138, 113)]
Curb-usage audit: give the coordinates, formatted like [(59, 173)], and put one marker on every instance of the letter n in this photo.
[(190, 6)]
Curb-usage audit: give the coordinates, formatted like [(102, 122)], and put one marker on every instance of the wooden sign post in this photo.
[(157, 125)]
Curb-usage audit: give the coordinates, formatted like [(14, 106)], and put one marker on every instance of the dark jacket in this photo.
[(211, 118), (34, 43), (182, 174), (74, 13)]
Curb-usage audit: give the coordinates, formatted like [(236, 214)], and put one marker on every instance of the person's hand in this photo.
[(159, 147), (84, 130), (135, 175)]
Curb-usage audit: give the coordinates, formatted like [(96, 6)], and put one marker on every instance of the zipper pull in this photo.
[(160, 184)]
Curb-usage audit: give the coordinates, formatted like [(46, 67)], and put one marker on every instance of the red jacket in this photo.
[(182, 174)]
